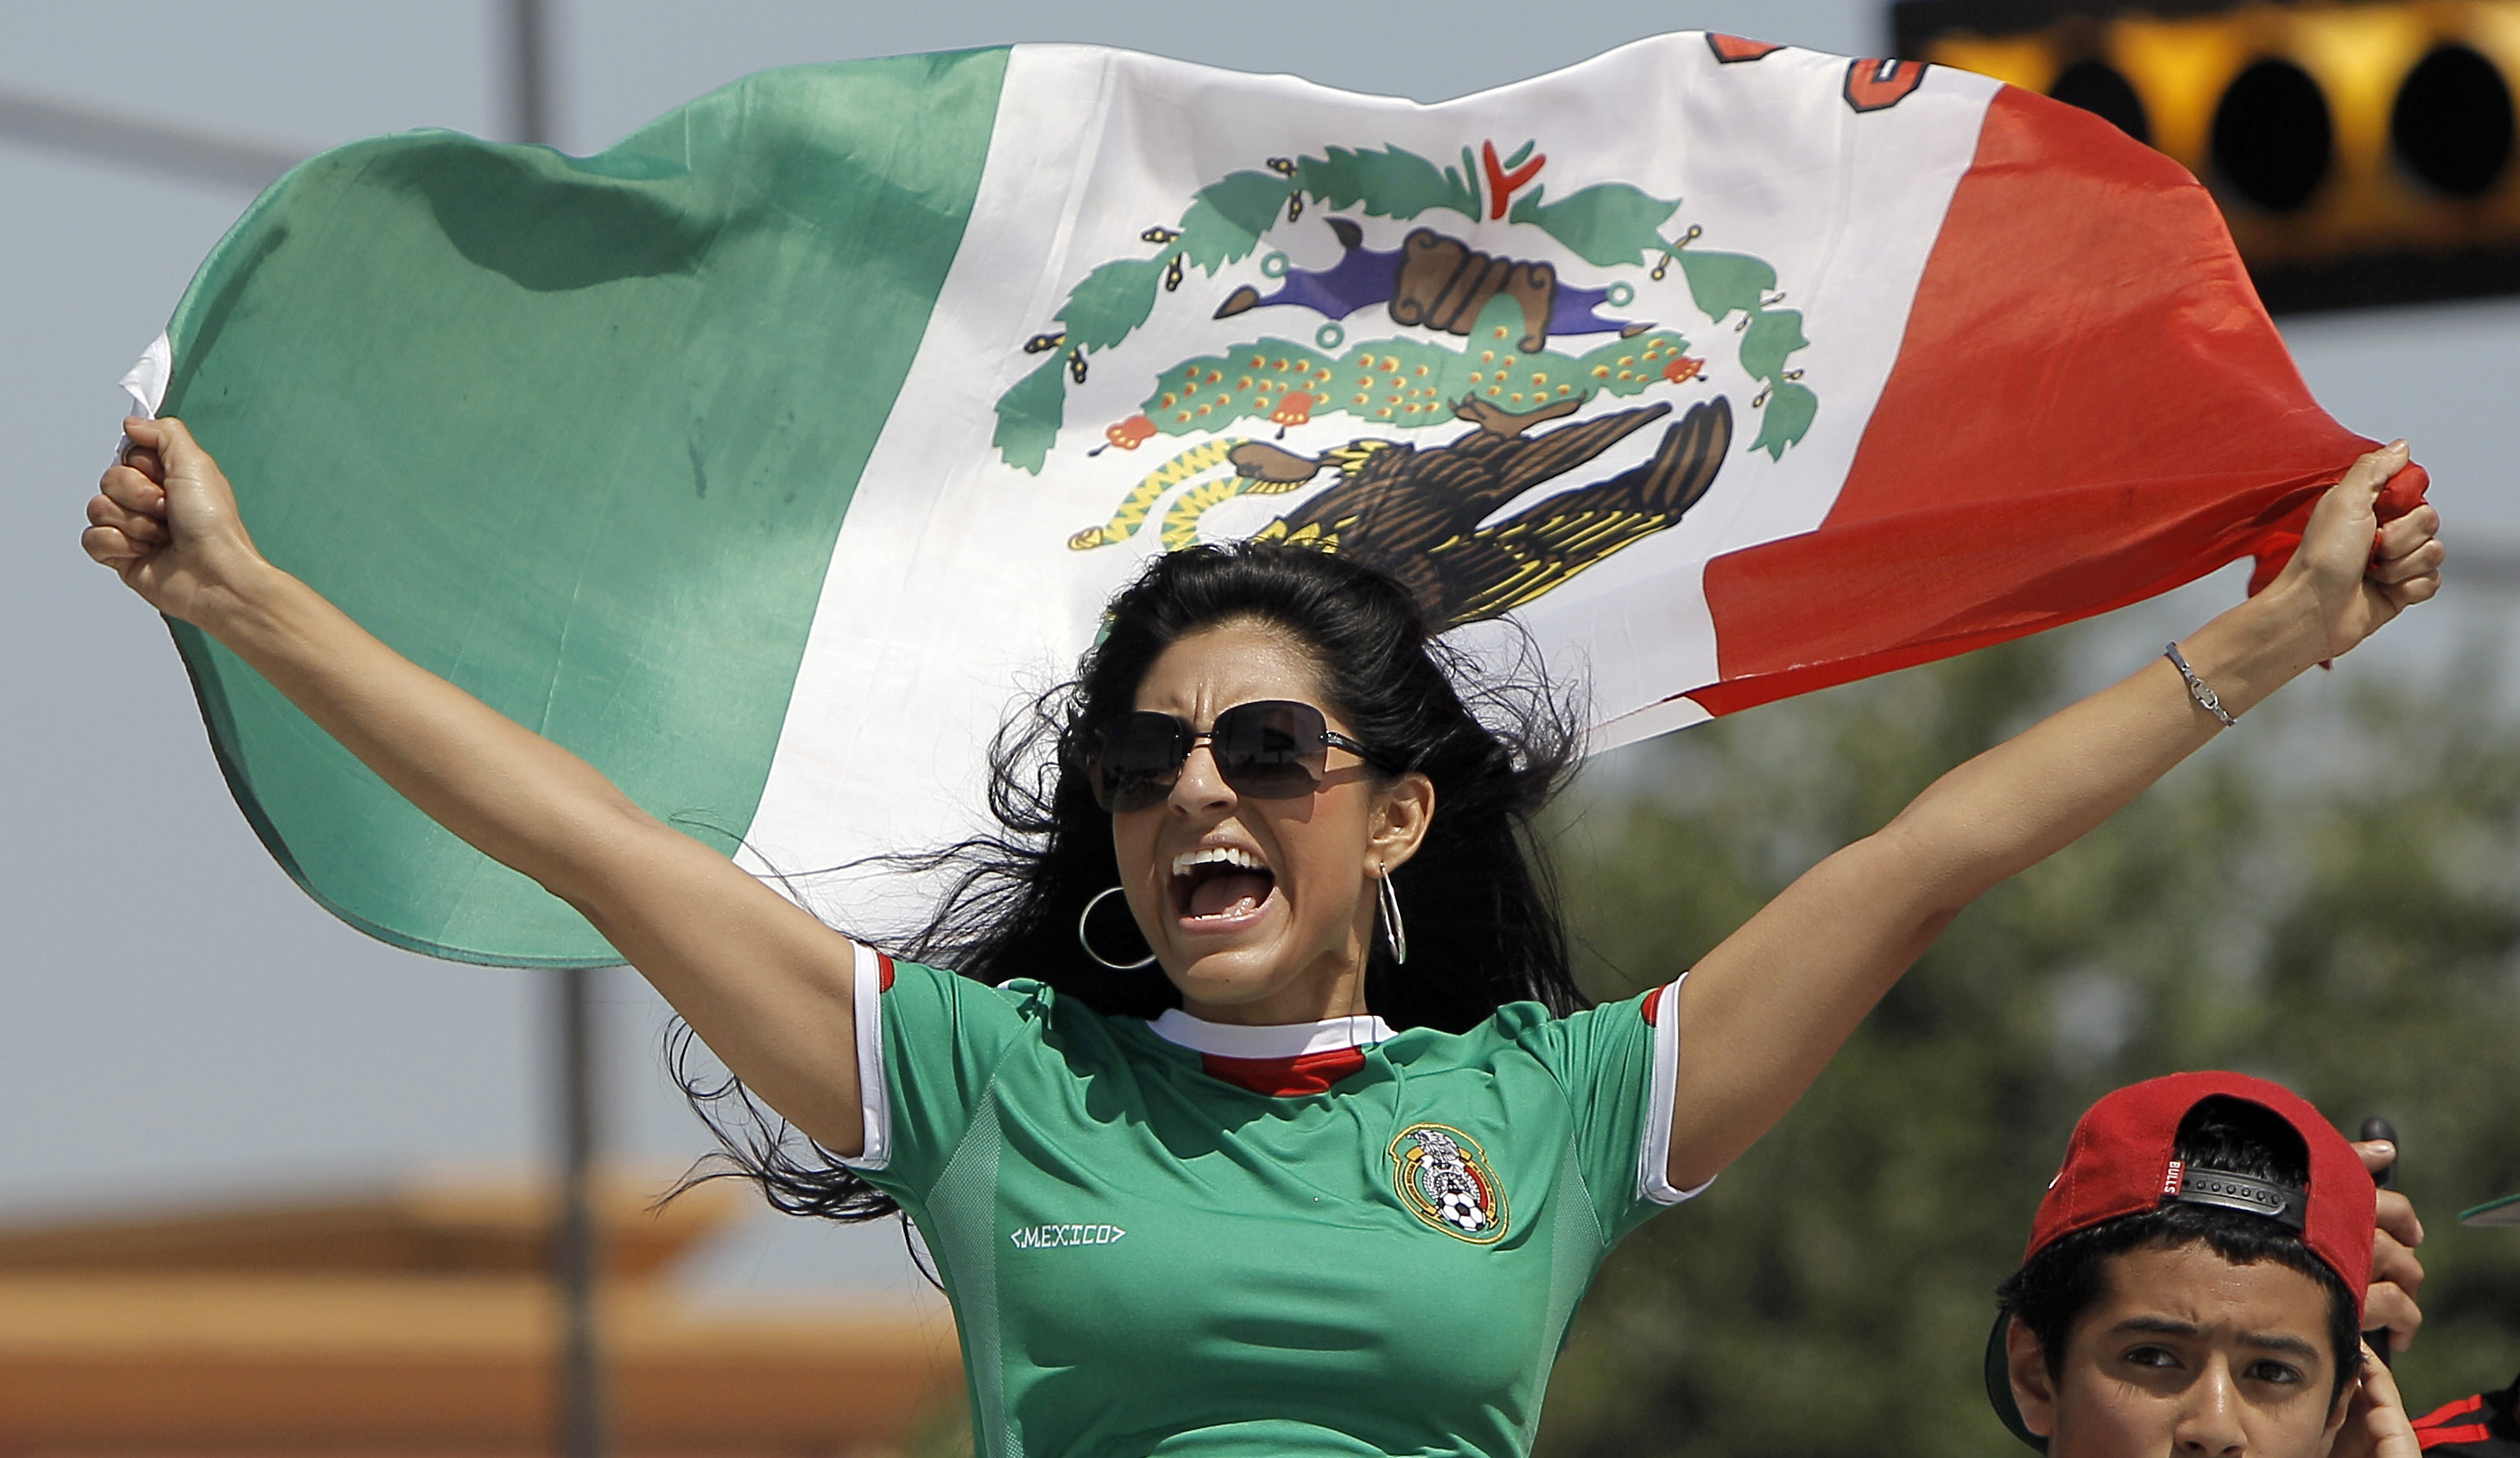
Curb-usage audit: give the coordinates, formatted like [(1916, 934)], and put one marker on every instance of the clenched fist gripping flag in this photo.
[(767, 457)]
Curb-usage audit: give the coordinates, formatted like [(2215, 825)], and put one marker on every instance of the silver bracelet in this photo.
[(2205, 697)]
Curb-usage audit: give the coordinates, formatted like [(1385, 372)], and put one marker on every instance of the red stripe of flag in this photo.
[(2089, 406)]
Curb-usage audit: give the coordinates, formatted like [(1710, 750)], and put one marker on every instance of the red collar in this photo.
[(1278, 1059)]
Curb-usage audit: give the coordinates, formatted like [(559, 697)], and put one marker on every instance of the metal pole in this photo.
[(576, 1253), (529, 70), (178, 151), (577, 1259)]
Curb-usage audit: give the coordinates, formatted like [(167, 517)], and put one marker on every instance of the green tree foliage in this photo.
[(2328, 899)]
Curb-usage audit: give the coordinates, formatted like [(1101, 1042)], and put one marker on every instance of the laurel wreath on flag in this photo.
[(1608, 225)]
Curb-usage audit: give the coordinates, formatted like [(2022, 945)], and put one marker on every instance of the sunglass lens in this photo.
[(1271, 750), (1140, 757)]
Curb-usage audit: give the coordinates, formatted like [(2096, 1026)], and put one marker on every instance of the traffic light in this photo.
[(2361, 153)]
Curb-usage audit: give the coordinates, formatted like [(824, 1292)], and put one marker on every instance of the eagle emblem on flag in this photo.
[(1525, 331), (1443, 1176)]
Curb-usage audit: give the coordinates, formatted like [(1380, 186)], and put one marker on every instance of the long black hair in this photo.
[(1478, 898)]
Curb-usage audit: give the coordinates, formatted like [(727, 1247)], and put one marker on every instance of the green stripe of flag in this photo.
[(670, 362)]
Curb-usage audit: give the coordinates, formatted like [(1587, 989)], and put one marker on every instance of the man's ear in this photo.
[(2343, 1406), (2034, 1392), (1401, 812)]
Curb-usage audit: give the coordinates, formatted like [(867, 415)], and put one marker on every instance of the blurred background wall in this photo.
[(2327, 898)]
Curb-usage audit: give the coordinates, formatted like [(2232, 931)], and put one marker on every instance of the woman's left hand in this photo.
[(2352, 574)]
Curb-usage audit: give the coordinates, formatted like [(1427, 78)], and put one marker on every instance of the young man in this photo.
[(2197, 1281)]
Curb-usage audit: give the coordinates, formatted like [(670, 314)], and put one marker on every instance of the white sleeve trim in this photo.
[(874, 1103), (1653, 1156)]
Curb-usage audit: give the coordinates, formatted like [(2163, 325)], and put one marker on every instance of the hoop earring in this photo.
[(1087, 915), (1392, 931)]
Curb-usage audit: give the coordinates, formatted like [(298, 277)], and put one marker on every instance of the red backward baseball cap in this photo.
[(2122, 1161), (2119, 1162)]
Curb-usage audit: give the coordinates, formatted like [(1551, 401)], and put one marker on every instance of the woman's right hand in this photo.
[(769, 988), (165, 520)]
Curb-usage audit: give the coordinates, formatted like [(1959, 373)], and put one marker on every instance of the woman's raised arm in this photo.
[(1767, 1009), (767, 985)]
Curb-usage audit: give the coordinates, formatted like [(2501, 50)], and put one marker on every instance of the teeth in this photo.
[(1217, 855)]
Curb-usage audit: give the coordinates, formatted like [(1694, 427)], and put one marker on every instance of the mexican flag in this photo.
[(770, 457)]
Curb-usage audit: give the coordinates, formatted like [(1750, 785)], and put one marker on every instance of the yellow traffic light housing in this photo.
[(2361, 153)]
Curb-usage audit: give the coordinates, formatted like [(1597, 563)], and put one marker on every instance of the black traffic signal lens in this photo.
[(2273, 137), (2451, 123), (2096, 88)]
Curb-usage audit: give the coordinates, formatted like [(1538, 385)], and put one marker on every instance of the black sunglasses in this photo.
[(1269, 749)]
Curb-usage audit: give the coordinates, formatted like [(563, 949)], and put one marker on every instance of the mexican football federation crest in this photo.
[(1443, 1177)]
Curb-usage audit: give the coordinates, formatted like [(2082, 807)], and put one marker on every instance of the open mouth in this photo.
[(1220, 883)]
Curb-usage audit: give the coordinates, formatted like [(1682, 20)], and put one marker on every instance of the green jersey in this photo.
[(1181, 1238)]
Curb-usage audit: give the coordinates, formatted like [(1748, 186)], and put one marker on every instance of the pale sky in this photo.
[(179, 1020)]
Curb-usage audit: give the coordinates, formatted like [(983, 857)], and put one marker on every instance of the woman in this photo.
[(1269, 1220)]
